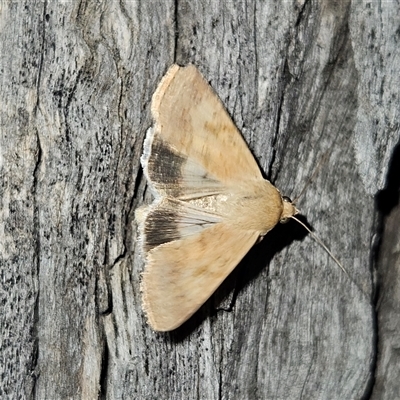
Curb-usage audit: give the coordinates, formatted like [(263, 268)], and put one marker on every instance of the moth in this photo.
[(211, 204)]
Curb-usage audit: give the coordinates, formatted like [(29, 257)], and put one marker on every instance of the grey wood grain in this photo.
[(301, 80)]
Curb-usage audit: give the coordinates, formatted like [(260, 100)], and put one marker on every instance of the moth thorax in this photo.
[(258, 206)]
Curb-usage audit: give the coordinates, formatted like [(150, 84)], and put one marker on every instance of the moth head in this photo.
[(289, 210)]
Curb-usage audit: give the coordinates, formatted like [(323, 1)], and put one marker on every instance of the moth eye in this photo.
[(284, 220), (287, 199)]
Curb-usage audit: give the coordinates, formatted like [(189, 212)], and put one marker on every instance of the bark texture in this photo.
[(303, 81)]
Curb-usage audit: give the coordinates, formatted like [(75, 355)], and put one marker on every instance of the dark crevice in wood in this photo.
[(106, 258), (138, 181), (254, 38), (285, 80), (374, 361), (301, 13), (120, 105), (119, 257), (131, 207), (388, 198), (40, 66), (37, 255), (125, 302), (385, 201), (108, 310), (104, 371), (176, 29), (271, 163), (34, 362), (36, 221), (232, 299), (220, 376)]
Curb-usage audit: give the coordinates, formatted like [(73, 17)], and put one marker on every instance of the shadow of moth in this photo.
[(211, 202)]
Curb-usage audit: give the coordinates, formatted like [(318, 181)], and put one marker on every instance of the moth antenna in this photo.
[(312, 177), (319, 241)]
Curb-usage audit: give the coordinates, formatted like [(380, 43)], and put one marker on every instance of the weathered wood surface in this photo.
[(299, 78)]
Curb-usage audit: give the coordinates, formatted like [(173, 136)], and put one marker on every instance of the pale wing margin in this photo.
[(181, 275), (168, 220)]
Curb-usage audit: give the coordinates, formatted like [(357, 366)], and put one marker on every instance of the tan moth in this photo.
[(211, 202)]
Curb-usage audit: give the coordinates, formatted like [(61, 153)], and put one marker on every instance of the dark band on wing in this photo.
[(165, 165), (175, 175), (174, 220), (160, 227)]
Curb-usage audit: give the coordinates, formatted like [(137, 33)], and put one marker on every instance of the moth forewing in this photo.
[(211, 205), (191, 119)]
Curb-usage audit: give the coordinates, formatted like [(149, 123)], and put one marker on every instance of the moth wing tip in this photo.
[(161, 89), (158, 321)]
